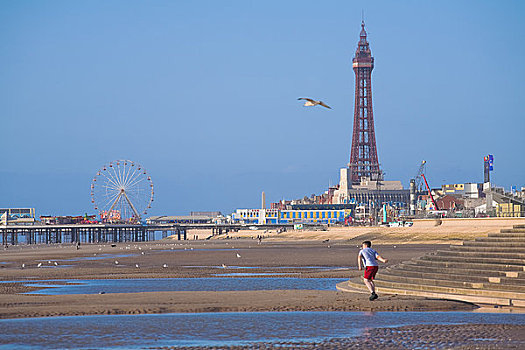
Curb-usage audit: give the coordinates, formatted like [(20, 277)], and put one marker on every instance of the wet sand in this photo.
[(198, 259), (458, 337)]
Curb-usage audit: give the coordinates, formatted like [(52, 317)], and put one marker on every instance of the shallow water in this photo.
[(322, 268), (182, 284), (248, 274), (101, 256), (232, 328)]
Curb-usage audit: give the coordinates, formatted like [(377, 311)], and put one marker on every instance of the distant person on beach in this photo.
[(369, 257)]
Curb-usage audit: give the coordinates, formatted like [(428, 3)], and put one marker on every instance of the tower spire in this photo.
[(363, 155)]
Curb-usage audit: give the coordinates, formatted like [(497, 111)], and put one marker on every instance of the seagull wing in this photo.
[(324, 105), (306, 98)]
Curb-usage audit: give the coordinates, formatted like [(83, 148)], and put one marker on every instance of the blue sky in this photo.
[(204, 95)]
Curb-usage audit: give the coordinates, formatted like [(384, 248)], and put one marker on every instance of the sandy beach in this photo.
[(285, 253), (321, 254), (197, 259)]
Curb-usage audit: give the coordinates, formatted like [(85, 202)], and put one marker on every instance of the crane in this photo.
[(420, 178)]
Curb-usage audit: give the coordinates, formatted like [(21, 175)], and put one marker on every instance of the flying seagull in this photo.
[(309, 102)]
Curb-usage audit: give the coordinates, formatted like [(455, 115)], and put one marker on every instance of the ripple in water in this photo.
[(183, 284), (216, 329)]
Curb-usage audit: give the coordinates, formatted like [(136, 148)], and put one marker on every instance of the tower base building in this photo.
[(369, 191)]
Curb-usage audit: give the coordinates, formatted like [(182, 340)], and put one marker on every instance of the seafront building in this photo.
[(297, 216), (17, 215)]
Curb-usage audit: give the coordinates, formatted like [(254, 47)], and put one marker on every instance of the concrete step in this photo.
[(443, 281), (470, 263), (488, 249), (478, 257), (494, 244), (453, 290), (452, 274), (513, 230), (352, 285), (496, 240), (510, 278), (408, 266), (488, 255), (508, 235)]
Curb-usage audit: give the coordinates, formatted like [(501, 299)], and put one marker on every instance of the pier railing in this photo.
[(95, 233)]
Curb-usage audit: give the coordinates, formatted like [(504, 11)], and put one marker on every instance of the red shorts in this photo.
[(370, 272)]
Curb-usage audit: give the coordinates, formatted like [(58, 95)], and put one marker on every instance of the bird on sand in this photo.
[(39, 264), (310, 102), (165, 265), (238, 255)]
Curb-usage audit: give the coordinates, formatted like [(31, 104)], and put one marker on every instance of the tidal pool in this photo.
[(323, 268), (181, 284), (101, 256), (215, 329)]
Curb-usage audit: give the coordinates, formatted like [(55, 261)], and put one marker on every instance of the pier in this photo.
[(97, 233)]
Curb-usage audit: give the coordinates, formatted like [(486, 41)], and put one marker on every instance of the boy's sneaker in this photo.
[(373, 296)]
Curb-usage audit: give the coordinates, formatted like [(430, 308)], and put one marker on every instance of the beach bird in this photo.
[(238, 255), (116, 262), (165, 265), (49, 261), (310, 102), (223, 266), (56, 264), (39, 264), (137, 266), (23, 265)]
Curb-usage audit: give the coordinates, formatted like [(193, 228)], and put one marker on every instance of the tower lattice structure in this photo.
[(363, 155)]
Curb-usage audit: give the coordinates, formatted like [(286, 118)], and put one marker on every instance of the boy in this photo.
[(370, 257)]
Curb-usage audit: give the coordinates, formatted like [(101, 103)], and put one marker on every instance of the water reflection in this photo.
[(215, 329), (182, 284)]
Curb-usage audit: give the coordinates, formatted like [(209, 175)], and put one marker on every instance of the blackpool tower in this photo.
[(363, 155)]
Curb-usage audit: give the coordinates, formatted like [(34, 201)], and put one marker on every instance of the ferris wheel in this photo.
[(122, 191)]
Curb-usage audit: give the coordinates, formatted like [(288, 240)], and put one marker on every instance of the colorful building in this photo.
[(294, 216), (18, 215)]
